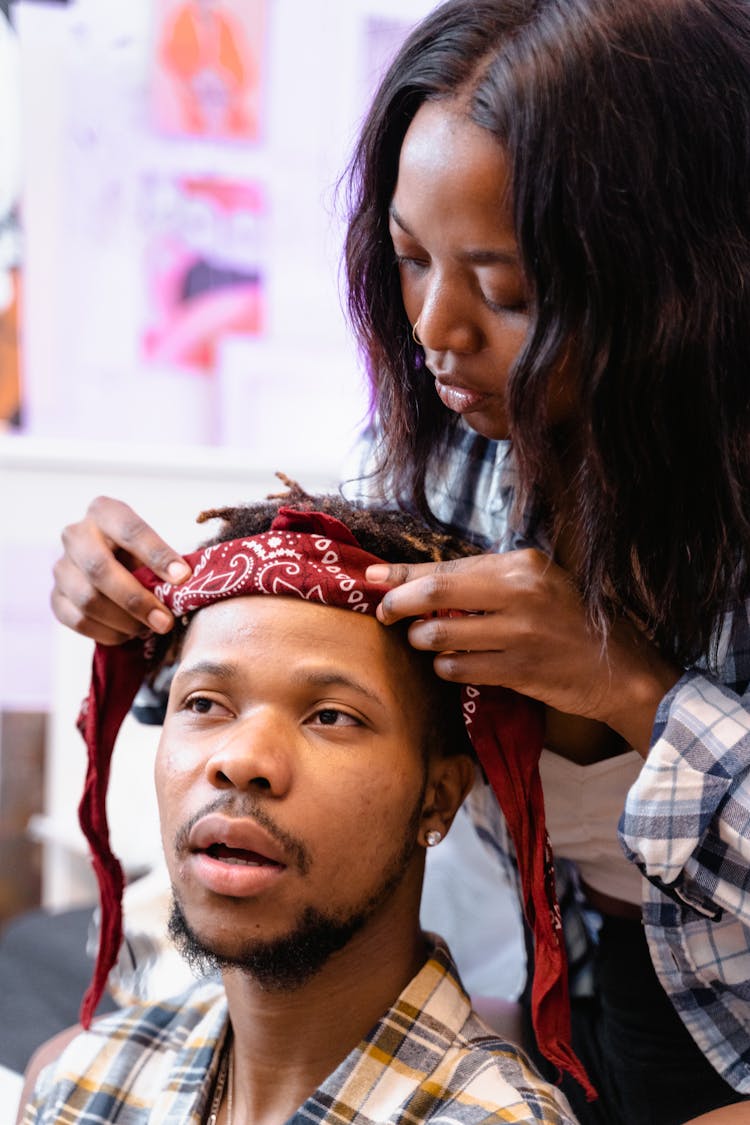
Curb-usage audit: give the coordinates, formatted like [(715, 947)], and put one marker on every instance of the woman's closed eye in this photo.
[(511, 305), (410, 262)]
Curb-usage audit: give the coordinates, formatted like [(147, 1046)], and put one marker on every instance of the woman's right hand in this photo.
[(95, 592)]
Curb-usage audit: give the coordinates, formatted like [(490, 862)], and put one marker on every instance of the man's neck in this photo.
[(287, 1043)]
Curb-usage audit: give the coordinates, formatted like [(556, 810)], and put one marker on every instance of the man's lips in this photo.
[(234, 857), (235, 840)]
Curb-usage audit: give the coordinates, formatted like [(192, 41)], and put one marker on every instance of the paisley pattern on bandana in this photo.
[(312, 567)]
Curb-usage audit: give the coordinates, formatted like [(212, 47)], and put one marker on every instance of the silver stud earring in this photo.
[(414, 335), (433, 837)]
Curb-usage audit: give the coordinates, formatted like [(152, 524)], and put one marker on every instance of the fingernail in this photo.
[(377, 573), (383, 610), (159, 621), (178, 570)]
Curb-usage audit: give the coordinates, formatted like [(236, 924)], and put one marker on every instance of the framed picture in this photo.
[(208, 66), (204, 272)]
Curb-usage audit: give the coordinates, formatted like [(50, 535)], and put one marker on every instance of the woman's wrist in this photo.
[(638, 703)]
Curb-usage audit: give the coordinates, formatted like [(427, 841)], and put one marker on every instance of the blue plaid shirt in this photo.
[(686, 822)]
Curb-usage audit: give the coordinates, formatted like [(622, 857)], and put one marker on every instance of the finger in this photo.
[(101, 589), (460, 588), (80, 602), (67, 614), (125, 529), (395, 574), (480, 632), (478, 668)]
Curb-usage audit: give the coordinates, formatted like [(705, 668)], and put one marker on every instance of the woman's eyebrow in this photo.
[(393, 213), (482, 257), (492, 257)]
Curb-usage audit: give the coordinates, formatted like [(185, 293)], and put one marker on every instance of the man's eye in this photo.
[(201, 705), (331, 717)]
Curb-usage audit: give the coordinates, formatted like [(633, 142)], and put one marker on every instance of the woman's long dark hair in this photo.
[(627, 125)]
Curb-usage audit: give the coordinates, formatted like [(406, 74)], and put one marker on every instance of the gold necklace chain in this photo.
[(231, 1085), (224, 1079)]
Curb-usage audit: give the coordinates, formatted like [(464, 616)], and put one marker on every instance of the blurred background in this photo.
[(171, 329)]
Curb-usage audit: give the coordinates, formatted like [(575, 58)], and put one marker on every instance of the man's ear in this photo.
[(448, 782)]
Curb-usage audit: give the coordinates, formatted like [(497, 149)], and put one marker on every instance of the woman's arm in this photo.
[(524, 626), (686, 822), (687, 818)]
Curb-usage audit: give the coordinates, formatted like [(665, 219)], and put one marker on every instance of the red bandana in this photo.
[(315, 557)]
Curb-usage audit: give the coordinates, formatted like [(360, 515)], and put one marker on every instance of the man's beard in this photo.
[(289, 961)]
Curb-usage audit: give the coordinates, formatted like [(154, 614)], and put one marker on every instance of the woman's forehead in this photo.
[(446, 156)]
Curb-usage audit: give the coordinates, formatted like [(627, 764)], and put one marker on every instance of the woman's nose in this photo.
[(257, 753), (448, 320)]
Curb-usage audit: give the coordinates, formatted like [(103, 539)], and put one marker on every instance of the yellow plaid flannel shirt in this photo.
[(429, 1059)]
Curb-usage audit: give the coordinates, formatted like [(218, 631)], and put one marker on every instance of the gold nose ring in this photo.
[(415, 337)]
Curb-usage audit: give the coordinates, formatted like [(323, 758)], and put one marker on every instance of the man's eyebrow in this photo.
[(477, 257), (321, 678), (217, 670)]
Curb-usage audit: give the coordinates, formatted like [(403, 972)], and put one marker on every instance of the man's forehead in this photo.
[(241, 630), (318, 642), (258, 616)]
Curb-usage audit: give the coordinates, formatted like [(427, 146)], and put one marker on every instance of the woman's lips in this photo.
[(461, 400)]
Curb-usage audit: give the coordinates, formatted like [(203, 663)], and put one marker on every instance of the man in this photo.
[(309, 757)]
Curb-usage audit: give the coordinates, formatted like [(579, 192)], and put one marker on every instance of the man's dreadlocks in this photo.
[(392, 535)]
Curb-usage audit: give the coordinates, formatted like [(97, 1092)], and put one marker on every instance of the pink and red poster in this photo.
[(204, 268)]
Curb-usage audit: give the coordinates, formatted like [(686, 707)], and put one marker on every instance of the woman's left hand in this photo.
[(528, 630)]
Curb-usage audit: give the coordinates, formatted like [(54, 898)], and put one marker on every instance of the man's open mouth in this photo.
[(240, 856)]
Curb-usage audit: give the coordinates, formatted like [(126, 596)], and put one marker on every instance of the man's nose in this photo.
[(255, 754)]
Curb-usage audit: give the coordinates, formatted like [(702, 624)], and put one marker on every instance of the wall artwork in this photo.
[(204, 273), (208, 68)]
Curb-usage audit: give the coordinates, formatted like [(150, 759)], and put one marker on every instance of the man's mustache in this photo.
[(246, 807)]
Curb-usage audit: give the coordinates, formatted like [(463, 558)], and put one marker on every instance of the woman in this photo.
[(550, 243)]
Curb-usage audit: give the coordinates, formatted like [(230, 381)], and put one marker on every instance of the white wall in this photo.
[(92, 158)]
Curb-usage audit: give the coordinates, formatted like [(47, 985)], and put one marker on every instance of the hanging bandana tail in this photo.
[(507, 732), (117, 674)]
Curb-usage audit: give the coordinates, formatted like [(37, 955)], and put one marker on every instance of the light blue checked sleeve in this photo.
[(686, 822)]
